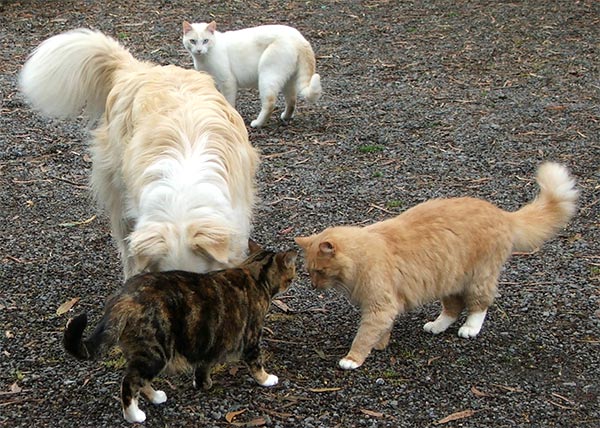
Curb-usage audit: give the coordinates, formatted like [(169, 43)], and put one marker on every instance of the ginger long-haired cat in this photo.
[(448, 249), (171, 160)]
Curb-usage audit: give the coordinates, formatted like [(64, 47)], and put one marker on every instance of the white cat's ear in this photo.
[(187, 27), (327, 248), (212, 27)]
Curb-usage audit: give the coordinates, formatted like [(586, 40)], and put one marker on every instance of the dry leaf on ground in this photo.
[(66, 307), (456, 416)]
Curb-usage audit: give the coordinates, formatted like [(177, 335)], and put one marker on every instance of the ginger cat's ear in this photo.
[(302, 241), (212, 27), (327, 248), (187, 27)]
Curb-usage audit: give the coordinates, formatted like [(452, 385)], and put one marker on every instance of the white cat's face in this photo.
[(198, 38)]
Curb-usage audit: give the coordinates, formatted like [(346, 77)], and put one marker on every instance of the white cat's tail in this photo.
[(71, 72), (541, 219), (308, 83)]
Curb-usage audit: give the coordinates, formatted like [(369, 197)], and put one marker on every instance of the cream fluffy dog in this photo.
[(172, 163)]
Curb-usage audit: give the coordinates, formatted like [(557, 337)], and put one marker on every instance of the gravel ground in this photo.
[(435, 98)]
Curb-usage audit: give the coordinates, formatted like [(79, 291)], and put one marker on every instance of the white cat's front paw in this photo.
[(468, 332), (270, 381), (348, 364), (158, 397), (133, 414)]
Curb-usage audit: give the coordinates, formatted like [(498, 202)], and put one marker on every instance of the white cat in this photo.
[(272, 58)]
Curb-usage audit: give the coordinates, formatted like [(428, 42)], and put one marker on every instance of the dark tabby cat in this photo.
[(180, 319)]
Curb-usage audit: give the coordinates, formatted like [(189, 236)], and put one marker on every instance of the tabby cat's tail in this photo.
[(73, 71), (541, 219), (101, 339)]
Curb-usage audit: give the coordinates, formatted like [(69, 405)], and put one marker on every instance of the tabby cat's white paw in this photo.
[(270, 381), (255, 124), (158, 397), (348, 364), (133, 414)]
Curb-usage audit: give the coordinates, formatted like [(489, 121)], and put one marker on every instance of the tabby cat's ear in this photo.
[(187, 27), (327, 248), (212, 27), (253, 246), (212, 238), (303, 241), (289, 259)]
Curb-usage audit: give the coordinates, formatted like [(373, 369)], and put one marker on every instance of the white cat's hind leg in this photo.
[(289, 92), (268, 96), (472, 325), (441, 323)]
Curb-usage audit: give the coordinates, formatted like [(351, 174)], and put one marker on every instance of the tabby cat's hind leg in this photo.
[(152, 395), (253, 359), (141, 369)]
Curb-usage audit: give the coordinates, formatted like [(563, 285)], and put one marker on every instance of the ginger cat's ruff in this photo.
[(448, 249)]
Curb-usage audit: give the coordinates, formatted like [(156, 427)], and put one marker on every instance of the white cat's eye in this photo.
[(205, 41), (193, 41)]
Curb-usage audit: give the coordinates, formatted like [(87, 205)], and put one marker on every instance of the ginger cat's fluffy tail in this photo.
[(541, 219), (73, 71)]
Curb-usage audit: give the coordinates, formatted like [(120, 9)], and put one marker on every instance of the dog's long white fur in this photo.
[(172, 163)]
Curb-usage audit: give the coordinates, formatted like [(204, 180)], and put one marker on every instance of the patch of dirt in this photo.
[(421, 99)]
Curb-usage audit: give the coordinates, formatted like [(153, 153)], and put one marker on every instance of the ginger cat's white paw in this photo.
[(440, 325), (468, 332), (348, 364), (433, 328), (472, 325), (270, 381), (158, 397)]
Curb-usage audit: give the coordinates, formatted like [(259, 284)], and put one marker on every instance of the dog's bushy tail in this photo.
[(541, 219), (73, 72), (101, 339)]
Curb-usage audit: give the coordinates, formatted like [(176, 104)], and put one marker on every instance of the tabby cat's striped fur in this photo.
[(164, 319)]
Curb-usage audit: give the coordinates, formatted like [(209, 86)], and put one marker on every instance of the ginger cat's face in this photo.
[(324, 262)]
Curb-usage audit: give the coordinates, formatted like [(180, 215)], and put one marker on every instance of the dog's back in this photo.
[(172, 163)]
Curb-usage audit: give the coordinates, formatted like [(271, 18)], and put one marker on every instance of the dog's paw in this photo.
[(348, 364), (270, 381)]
